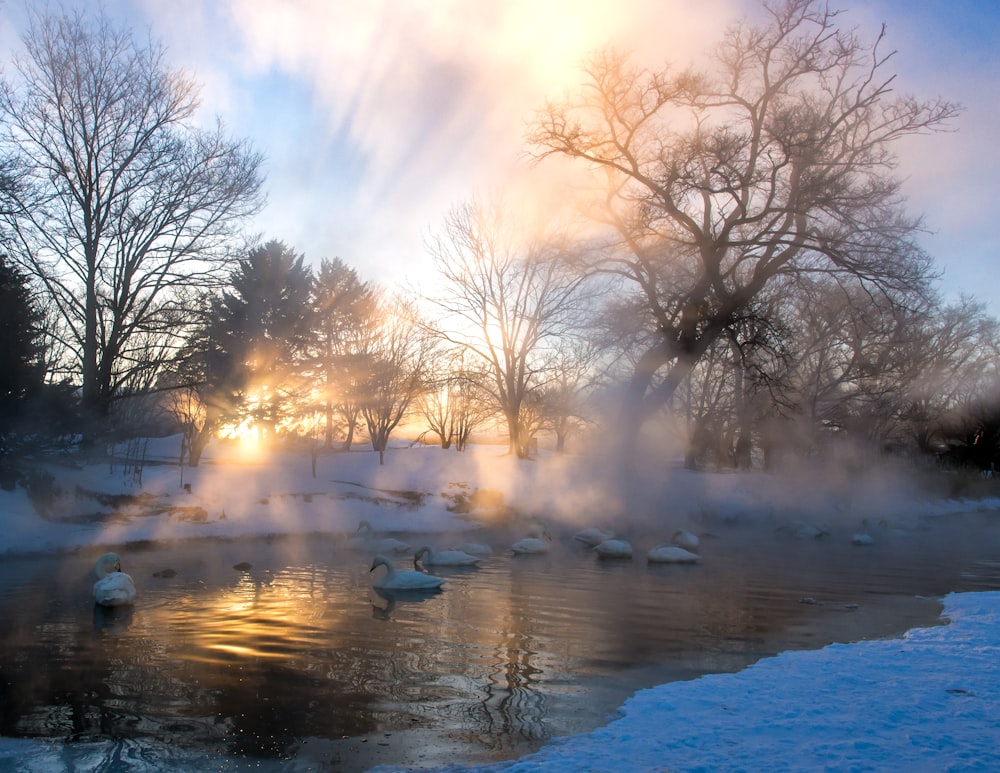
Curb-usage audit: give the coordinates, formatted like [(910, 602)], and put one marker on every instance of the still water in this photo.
[(294, 655)]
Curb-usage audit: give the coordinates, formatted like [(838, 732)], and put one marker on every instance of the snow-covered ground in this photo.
[(927, 701)]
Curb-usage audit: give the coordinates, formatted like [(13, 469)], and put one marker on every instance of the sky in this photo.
[(931, 697), (376, 118)]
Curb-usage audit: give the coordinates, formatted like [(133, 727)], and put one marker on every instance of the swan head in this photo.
[(381, 561), (363, 528), (425, 550), (107, 564)]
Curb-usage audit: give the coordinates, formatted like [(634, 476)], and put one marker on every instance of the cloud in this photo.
[(377, 117)]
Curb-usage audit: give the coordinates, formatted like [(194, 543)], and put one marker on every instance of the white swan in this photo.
[(531, 546), (803, 530), (364, 539), (685, 539), (671, 554), (433, 557), (475, 548), (593, 536), (113, 588), (614, 548), (862, 537), (404, 579)]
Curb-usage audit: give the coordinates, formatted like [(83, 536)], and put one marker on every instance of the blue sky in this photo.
[(377, 117)]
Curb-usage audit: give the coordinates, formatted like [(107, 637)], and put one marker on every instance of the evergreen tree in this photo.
[(21, 365)]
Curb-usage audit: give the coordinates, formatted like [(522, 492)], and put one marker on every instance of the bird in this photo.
[(364, 539), (532, 546), (433, 557), (475, 548), (403, 579), (113, 588), (862, 537), (803, 530), (593, 536), (671, 554), (614, 548), (685, 539)]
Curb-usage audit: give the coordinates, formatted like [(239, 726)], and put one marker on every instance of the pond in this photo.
[(295, 656)]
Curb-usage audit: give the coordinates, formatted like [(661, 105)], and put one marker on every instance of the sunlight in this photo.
[(248, 438)]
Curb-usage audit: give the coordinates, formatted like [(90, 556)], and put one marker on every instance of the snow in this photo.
[(929, 700)]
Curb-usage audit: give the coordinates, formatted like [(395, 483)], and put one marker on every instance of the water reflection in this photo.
[(296, 651)]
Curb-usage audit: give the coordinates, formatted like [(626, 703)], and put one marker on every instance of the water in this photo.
[(297, 657)]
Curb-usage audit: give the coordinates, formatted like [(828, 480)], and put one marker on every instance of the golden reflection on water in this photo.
[(300, 646)]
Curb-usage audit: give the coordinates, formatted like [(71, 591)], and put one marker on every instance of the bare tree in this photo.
[(121, 201), (394, 360), (345, 308), (454, 403), (508, 299), (778, 162)]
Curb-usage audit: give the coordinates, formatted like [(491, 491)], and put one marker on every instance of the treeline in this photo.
[(748, 284)]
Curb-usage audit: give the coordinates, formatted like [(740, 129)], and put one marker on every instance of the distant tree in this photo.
[(121, 201), (393, 359), (776, 163), (345, 308), (507, 299), (21, 333), (454, 404)]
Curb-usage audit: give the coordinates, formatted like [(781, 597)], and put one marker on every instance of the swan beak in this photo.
[(118, 566)]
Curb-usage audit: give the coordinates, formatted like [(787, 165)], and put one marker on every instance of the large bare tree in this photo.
[(121, 199), (508, 298), (776, 160)]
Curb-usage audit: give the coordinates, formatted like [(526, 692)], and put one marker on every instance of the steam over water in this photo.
[(297, 656)]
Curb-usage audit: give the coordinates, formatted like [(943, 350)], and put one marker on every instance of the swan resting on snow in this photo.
[(671, 554), (402, 579), (614, 548), (113, 588), (433, 557)]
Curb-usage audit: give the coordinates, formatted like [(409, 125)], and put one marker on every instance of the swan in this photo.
[(593, 536), (532, 546), (862, 537), (685, 539), (804, 531), (404, 579), (113, 588), (614, 548), (475, 548), (671, 554), (364, 539), (433, 557)]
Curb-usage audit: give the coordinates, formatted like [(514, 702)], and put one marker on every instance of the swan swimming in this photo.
[(685, 539), (862, 537), (113, 588), (475, 548), (403, 579), (531, 546), (364, 539), (614, 548), (593, 536), (671, 554), (433, 557)]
